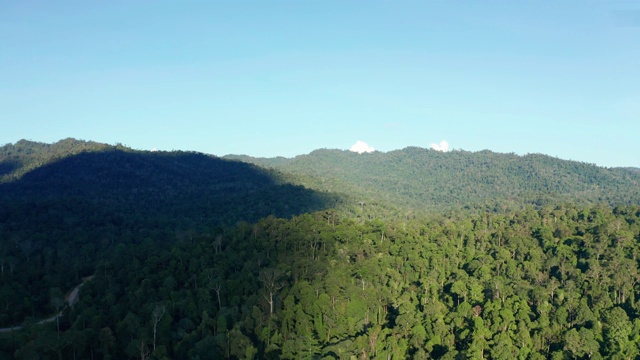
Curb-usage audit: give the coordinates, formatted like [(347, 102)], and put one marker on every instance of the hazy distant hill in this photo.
[(427, 179)]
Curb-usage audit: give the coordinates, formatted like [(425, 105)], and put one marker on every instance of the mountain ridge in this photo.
[(412, 178), (211, 257), (415, 176)]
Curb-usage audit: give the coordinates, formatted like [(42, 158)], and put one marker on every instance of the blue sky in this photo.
[(269, 78)]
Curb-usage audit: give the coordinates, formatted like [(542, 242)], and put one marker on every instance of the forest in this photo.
[(331, 255)]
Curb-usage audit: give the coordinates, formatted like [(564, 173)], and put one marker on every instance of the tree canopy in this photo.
[(196, 257)]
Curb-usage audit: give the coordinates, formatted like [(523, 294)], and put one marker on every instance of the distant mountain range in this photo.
[(431, 180), (239, 187)]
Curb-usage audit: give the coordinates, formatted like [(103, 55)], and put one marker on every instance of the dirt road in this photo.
[(70, 299)]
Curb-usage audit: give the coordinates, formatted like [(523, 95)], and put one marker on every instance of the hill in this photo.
[(177, 184), (186, 261), (424, 179), (65, 206), (24, 156)]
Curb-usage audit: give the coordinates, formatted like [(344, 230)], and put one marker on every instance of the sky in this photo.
[(282, 78)]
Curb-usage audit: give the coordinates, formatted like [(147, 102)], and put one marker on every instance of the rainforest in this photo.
[(112, 253)]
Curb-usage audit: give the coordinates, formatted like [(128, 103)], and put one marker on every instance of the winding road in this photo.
[(70, 299)]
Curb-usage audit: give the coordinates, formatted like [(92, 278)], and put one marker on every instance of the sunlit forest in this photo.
[(112, 253)]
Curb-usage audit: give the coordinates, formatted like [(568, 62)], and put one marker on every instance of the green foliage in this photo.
[(361, 295), (69, 205), (422, 179), (187, 264)]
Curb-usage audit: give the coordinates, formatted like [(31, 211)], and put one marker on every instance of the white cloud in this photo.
[(442, 146), (361, 147)]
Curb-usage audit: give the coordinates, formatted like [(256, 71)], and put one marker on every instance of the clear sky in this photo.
[(269, 78)]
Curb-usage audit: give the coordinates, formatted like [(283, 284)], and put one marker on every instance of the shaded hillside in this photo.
[(177, 184), (59, 219), (431, 180)]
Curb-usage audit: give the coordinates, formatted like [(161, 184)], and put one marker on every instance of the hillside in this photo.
[(430, 180), (331, 255), (65, 206), (177, 184), (24, 156)]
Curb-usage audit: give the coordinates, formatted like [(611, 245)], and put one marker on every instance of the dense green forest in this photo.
[(424, 179), (333, 255), (58, 219)]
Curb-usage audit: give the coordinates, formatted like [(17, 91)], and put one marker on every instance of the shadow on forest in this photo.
[(61, 218), (181, 189), (6, 167)]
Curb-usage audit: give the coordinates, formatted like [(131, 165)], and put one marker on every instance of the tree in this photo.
[(581, 343), (618, 329), (107, 340), (271, 281), (460, 289), (215, 282), (57, 302), (157, 312)]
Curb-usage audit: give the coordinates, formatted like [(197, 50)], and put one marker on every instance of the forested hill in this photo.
[(427, 179), (160, 184), (24, 156), (175, 275), (65, 206)]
